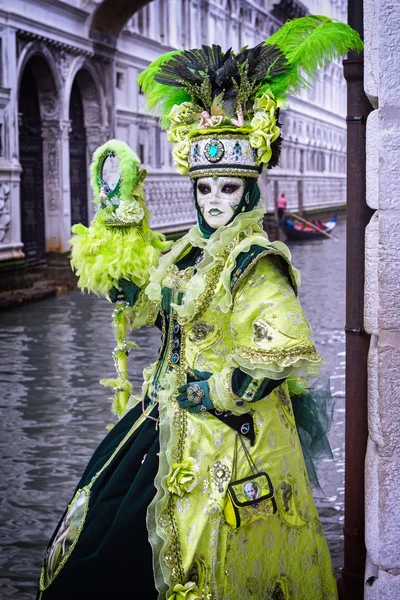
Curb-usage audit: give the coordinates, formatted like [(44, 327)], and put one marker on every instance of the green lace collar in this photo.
[(220, 250)]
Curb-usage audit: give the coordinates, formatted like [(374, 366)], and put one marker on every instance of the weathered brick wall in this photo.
[(382, 299)]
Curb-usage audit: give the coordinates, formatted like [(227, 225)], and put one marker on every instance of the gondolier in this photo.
[(281, 204)]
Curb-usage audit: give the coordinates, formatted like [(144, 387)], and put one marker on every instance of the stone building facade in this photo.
[(382, 300), (64, 91)]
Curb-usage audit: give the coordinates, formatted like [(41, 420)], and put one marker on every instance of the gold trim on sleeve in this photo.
[(283, 357)]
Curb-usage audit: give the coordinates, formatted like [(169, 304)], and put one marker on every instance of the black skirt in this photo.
[(112, 559)]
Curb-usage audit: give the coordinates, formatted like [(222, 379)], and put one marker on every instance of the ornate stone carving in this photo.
[(289, 9), (95, 136), (51, 132), (48, 104), (64, 60), (5, 216)]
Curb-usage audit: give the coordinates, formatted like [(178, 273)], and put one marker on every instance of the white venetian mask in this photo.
[(219, 198)]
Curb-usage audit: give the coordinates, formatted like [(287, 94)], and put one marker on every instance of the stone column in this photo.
[(382, 299), (154, 18), (194, 25), (52, 183), (174, 23), (65, 196), (10, 220)]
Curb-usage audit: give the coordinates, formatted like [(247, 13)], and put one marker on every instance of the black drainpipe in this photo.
[(351, 583)]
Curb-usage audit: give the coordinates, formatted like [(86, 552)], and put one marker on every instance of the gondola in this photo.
[(297, 231)]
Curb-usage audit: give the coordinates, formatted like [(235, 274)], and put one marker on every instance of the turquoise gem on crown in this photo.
[(214, 150)]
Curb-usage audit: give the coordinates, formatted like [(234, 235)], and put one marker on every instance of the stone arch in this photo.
[(45, 71), (90, 82), (40, 185), (83, 87), (110, 17)]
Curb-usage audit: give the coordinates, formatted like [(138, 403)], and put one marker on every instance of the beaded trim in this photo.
[(154, 309), (172, 553), (284, 357), (224, 171), (252, 389), (228, 388)]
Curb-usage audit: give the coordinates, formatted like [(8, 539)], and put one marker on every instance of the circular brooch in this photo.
[(194, 393), (214, 150)]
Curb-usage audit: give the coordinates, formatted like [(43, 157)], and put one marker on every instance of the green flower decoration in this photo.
[(182, 478), (265, 129), (266, 102), (178, 134), (263, 121), (129, 211), (296, 386), (181, 156), (189, 591), (182, 113)]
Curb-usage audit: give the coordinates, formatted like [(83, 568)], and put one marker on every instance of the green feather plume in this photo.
[(161, 98), (309, 44), (298, 50), (146, 77)]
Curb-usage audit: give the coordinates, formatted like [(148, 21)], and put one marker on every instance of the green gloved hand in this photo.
[(127, 291), (195, 396)]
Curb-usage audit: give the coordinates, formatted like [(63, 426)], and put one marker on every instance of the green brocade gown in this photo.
[(151, 508)]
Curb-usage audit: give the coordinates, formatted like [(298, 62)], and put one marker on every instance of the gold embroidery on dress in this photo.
[(264, 329), (200, 331)]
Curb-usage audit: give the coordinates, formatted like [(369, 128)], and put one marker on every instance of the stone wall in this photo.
[(382, 299)]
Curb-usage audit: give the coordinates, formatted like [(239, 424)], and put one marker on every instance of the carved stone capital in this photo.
[(51, 129), (64, 61)]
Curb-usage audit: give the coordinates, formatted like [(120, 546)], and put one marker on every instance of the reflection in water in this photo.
[(53, 412)]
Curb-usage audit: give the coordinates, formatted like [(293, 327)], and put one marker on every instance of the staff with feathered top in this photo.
[(112, 257)]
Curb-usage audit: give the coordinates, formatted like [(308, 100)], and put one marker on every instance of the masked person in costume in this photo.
[(201, 490)]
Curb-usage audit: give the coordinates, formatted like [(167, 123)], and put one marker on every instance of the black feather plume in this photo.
[(276, 147), (227, 74)]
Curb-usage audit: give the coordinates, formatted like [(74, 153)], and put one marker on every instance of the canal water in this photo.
[(53, 412)]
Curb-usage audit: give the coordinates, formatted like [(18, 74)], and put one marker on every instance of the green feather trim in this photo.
[(101, 255), (128, 165), (309, 44), (161, 98), (327, 42), (117, 407)]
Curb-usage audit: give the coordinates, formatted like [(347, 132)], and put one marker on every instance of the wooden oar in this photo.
[(313, 226)]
